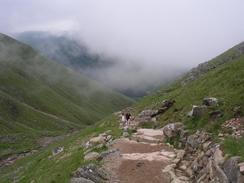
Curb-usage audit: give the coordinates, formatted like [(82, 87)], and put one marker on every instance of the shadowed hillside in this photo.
[(39, 97)]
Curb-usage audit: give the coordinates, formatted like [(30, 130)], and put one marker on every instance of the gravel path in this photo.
[(140, 159)]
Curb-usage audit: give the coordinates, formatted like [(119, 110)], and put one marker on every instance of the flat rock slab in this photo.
[(149, 135), (150, 132)]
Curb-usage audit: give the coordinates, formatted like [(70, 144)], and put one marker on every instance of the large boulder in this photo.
[(168, 103), (210, 101), (148, 113), (197, 111), (173, 129), (232, 171)]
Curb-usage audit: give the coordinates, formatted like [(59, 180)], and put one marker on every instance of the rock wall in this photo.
[(203, 160)]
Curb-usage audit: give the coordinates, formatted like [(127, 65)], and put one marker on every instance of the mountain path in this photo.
[(140, 158)]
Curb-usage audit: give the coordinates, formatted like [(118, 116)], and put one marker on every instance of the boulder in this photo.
[(197, 111), (148, 113), (232, 170), (168, 103), (173, 129), (210, 101), (216, 114), (57, 150), (91, 156)]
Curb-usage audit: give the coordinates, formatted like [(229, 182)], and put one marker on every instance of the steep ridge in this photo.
[(64, 49), (39, 97), (222, 78), (227, 57)]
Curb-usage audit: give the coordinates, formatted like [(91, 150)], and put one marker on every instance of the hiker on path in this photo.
[(127, 117), (123, 119)]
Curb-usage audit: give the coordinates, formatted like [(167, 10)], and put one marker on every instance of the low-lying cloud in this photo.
[(151, 39)]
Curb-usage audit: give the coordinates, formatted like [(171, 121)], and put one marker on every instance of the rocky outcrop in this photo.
[(202, 68), (166, 104), (173, 129), (210, 101), (197, 111), (206, 108), (150, 115), (202, 160)]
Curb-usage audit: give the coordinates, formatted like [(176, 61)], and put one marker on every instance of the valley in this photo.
[(52, 131)]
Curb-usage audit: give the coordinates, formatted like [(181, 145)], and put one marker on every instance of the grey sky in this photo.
[(157, 33)]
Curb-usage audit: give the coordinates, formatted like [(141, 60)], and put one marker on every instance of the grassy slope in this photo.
[(39, 97), (40, 168), (226, 83)]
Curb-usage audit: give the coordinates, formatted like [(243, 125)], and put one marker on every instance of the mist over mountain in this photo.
[(38, 96), (134, 79), (67, 68)]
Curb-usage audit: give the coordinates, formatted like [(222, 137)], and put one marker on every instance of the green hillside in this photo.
[(41, 98), (222, 77)]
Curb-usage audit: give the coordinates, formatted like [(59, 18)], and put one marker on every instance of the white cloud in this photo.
[(160, 35)]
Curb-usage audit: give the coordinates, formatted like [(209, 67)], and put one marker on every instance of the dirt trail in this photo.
[(140, 159)]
